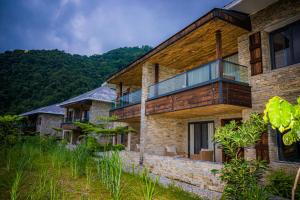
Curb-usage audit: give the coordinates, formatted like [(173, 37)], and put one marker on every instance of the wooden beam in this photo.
[(218, 36), (156, 77), (120, 88), (156, 73)]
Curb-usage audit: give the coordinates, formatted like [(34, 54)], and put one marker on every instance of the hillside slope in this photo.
[(35, 78)]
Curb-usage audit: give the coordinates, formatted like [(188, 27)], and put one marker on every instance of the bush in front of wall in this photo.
[(241, 177), (280, 184), (118, 147)]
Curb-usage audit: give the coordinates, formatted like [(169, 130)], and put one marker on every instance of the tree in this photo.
[(106, 128), (285, 117), (10, 127)]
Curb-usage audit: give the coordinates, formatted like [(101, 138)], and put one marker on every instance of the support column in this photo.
[(147, 80), (156, 78), (128, 141), (218, 37)]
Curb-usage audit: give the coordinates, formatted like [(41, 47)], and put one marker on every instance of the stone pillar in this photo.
[(128, 141), (147, 80)]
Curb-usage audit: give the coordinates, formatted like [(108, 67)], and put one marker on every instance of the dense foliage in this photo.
[(35, 78), (241, 176), (39, 168), (10, 128), (285, 117), (280, 184)]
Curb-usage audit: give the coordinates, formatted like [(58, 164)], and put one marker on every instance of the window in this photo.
[(288, 153), (285, 46)]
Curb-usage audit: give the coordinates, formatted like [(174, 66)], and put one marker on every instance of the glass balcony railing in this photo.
[(200, 75), (128, 99)]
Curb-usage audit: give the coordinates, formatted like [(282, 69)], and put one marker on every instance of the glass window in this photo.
[(296, 43), (288, 153), (285, 49)]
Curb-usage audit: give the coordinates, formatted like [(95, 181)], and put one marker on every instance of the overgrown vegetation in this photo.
[(241, 176), (285, 117), (280, 183), (104, 128), (35, 78), (10, 128), (41, 168)]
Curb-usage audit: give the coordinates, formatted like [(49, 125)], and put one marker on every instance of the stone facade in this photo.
[(158, 131), (194, 173), (47, 123), (98, 109), (284, 82)]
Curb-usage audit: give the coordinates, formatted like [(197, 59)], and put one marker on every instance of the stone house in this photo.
[(86, 107), (222, 67), (43, 120)]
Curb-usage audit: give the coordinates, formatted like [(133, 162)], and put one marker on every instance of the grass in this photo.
[(41, 169)]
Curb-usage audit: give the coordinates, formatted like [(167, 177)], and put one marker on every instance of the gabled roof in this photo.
[(236, 18), (53, 109), (103, 94)]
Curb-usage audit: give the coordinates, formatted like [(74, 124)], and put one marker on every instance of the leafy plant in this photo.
[(111, 172), (285, 117), (241, 176), (10, 128), (280, 184), (149, 185), (234, 137), (16, 185)]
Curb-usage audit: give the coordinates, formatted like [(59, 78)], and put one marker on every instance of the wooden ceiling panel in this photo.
[(195, 49)]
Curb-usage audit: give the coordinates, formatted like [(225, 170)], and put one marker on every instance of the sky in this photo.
[(88, 27)]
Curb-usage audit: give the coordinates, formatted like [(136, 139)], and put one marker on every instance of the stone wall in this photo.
[(98, 109), (48, 122), (193, 173), (284, 82)]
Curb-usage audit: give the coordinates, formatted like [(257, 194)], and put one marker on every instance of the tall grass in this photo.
[(79, 158), (15, 186), (111, 172), (149, 185)]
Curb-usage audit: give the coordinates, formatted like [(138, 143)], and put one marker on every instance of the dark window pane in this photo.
[(281, 48), (288, 153), (296, 42)]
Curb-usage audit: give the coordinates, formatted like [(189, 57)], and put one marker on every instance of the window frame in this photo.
[(291, 58), (280, 149)]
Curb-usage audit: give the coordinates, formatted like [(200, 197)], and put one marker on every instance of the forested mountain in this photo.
[(35, 78)]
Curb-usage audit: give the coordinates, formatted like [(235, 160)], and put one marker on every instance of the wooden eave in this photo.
[(189, 42)]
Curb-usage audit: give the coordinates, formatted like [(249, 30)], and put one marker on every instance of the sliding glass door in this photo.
[(200, 137)]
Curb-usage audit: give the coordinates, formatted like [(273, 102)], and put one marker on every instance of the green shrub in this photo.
[(280, 184), (118, 147), (241, 178), (91, 144)]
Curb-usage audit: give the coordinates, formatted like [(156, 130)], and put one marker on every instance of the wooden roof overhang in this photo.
[(192, 46)]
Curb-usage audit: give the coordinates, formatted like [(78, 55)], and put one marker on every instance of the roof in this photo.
[(234, 17), (103, 94), (249, 6), (52, 109)]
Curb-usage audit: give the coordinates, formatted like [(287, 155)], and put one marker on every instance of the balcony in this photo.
[(128, 106), (68, 123), (216, 83)]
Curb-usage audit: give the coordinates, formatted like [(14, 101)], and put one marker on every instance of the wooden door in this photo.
[(262, 148)]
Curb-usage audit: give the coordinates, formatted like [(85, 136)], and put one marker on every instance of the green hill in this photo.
[(35, 78)]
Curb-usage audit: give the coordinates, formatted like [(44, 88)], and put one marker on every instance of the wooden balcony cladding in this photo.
[(215, 93), (69, 126), (128, 112)]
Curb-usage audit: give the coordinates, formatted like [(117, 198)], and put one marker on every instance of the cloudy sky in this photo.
[(94, 26)]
